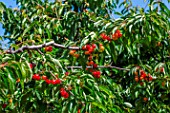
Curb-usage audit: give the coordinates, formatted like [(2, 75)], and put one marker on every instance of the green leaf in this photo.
[(98, 105)]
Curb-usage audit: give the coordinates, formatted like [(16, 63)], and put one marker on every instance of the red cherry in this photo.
[(108, 38), (141, 83), (88, 47), (116, 35), (98, 76), (31, 65), (90, 57), (66, 73), (117, 31), (94, 46), (84, 48), (49, 48), (94, 65), (94, 73), (145, 99), (91, 49), (142, 73), (100, 44), (66, 95), (62, 89), (150, 78), (54, 82), (103, 35), (63, 92), (4, 105), (79, 111), (58, 81), (98, 72), (141, 78), (162, 69), (44, 77), (136, 79), (48, 81), (119, 35), (36, 77), (91, 70)]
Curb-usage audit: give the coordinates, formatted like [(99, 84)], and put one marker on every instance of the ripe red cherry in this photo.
[(162, 69), (91, 49), (88, 46), (141, 78), (94, 73), (36, 77), (31, 65), (94, 65), (98, 76), (117, 31), (48, 81), (145, 99), (108, 38), (119, 35), (141, 83), (49, 48), (94, 46), (4, 105), (66, 73), (79, 111), (136, 79), (66, 95), (104, 36), (62, 89), (100, 44), (150, 78), (98, 72), (84, 48), (44, 77), (90, 57), (142, 72), (54, 82)]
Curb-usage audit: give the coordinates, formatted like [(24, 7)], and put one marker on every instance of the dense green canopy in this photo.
[(71, 56)]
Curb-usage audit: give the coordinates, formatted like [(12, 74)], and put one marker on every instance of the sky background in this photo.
[(12, 4)]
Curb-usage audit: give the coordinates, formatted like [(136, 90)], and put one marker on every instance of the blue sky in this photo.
[(12, 4)]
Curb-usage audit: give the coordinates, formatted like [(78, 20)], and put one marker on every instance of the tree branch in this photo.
[(90, 67), (34, 47)]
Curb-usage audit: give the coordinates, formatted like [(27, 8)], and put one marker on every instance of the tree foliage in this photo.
[(101, 64)]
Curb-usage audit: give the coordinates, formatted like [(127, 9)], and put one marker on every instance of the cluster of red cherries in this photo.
[(143, 77), (89, 49), (64, 93), (48, 81), (115, 36)]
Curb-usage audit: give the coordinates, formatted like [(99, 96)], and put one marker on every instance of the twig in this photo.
[(53, 75), (33, 47), (40, 52)]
